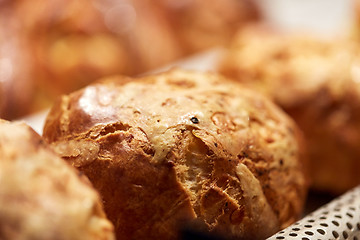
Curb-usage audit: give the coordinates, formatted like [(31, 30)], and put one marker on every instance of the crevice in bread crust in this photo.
[(192, 169), (231, 193), (199, 176), (112, 128), (256, 203), (82, 149)]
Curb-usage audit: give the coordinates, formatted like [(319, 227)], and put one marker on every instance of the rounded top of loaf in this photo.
[(292, 69), (230, 147)]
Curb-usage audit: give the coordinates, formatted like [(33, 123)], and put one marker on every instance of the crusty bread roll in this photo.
[(316, 81), (41, 197), (202, 24), (16, 84), (166, 149)]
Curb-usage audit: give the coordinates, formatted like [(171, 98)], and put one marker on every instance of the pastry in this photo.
[(41, 196), (202, 25), (316, 81), (169, 149)]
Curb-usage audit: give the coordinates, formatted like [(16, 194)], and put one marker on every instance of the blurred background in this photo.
[(48, 48), (325, 17)]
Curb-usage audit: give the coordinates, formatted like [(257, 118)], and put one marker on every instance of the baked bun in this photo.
[(179, 146), (202, 24), (16, 84), (41, 197), (315, 81), (76, 42)]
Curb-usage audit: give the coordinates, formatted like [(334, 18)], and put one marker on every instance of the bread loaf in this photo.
[(41, 196), (168, 149), (316, 81)]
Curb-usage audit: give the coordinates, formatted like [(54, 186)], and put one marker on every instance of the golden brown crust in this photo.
[(41, 197), (317, 82), (179, 146)]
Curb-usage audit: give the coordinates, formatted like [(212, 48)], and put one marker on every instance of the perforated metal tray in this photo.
[(339, 219)]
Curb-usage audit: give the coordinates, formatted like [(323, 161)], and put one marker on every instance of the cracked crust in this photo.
[(317, 83), (179, 146), (41, 197)]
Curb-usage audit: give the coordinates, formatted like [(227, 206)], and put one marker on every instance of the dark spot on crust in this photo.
[(209, 152), (215, 144), (242, 155), (194, 120), (260, 172), (281, 162)]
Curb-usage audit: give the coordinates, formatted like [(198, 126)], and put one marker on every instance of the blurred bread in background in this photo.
[(17, 85), (316, 81), (64, 45), (202, 24)]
